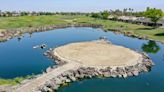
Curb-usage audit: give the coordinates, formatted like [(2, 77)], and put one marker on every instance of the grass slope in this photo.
[(33, 21), (14, 81), (156, 34)]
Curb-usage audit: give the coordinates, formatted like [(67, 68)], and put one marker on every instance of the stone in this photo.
[(48, 69), (87, 71), (120, 76), (73, 78), (46, 89), (58, 81), (77, 75), (37, 90), (49, 84), (129, 74), (113, 74), (1, 35), (56, 87), (81, 76), (135, 73), (144, 68), (107, 74), (67, 80), (125, 75)]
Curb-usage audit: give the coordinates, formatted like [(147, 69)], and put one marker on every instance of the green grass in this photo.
[(26, 21), (156, 34), (2, 30), (14, 81), (10, 81), (34, 21)]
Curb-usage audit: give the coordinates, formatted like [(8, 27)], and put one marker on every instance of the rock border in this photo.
[(84, 72), (11, 33), (131, 34)]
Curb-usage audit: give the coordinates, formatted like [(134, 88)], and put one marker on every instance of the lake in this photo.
[(18, 58)]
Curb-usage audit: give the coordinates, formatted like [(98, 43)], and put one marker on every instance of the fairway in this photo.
[(35, 21)]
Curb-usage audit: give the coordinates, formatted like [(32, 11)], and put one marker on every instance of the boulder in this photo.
[(129, 74), (1, 35), (125, 75), (113, 74), (58, 81), (67, 80), (135, 73), (46, 89), (56, 87), (106, 74)]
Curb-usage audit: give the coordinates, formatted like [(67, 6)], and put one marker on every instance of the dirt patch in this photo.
[(98, 53)]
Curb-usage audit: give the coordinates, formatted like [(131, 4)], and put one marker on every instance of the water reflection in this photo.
[(30, 34), (19, 39), (150, 47)]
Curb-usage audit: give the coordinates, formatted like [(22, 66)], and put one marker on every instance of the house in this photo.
[(136, 20)]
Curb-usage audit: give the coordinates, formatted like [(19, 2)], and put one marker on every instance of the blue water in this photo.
[(18, 58)]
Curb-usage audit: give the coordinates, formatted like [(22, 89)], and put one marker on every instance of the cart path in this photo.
[(28, 87)]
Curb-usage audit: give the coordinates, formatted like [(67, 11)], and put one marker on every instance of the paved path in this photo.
[(6, 89), (28, 87)]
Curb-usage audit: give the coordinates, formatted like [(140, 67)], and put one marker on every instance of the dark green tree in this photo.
[(96, 15), (154, 14), (105, 14), (101, 15)]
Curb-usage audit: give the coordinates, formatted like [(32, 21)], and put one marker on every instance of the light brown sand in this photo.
[(98, 53)]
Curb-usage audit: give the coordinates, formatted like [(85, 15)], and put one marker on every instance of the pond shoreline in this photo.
[(75, 71), (11, 33), (130, 34), (26, 80)]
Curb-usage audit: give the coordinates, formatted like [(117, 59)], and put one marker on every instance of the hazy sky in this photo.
[(78, 5)]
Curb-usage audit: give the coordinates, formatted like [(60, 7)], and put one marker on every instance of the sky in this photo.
[(78, 5)]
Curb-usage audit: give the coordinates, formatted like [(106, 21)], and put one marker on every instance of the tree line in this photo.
[(33, 13), (152, 13)]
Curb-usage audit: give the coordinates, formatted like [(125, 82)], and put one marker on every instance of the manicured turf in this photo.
[(33, 21), (13, 81), (26, 21), (156, 34)]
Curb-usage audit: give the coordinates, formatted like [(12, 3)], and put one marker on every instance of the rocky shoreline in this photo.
[(75, 72), (10, 33), (130, 34), (84, 72)]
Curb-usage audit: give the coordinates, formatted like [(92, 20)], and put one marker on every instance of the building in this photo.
[(136, 20)]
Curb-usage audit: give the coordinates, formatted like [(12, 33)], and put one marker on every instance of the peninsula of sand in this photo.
[(86, 60)]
